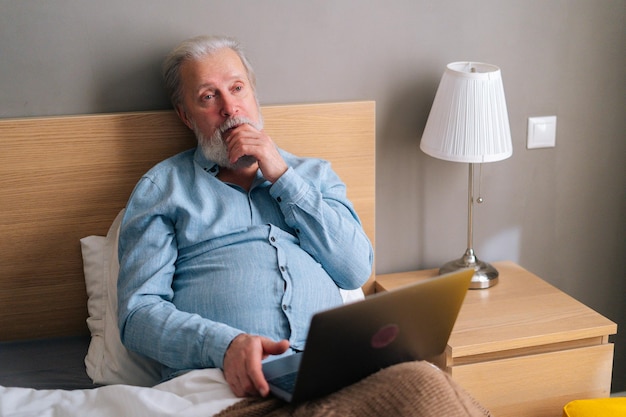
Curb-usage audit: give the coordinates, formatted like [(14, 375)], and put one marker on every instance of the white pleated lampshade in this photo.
[(468, 121)]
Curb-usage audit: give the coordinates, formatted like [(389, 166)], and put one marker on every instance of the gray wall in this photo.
[(558, 212)]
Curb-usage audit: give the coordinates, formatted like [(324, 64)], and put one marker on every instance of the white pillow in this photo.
[(350, 296), (108, 361)]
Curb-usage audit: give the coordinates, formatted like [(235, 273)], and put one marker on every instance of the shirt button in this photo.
[(285, 307), (273, 239), (279, 199), (282, 269)]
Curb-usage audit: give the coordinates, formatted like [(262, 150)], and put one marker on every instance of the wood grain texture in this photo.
[(522, 311), (538, 385), (64, 178)]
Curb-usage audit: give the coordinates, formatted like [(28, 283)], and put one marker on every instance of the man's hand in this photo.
[(242, 363), (245, 140)]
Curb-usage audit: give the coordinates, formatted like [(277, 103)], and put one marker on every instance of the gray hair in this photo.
[(195, 49)]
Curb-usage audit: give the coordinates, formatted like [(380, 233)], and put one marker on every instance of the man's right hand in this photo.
[(242, 363)]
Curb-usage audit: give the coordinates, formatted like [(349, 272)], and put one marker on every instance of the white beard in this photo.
[(214, 147)]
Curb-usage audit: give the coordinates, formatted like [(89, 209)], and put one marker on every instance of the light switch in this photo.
[(541, 132)]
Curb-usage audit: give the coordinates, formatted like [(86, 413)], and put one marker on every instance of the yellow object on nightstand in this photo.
[(602, 407), (523, 348)]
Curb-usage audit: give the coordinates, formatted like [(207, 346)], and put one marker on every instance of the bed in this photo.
[(65, 181)]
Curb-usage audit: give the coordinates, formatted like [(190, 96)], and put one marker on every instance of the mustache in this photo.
[(236, 121), (214, 146)]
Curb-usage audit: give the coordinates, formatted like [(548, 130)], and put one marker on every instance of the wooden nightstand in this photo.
[(522, 347)]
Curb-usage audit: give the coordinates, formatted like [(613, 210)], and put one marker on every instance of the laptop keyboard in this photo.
[(286, 382)]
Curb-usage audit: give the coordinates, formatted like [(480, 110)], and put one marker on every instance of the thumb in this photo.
[(271, 347)]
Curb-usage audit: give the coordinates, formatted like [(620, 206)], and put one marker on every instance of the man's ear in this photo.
[(182, 114)]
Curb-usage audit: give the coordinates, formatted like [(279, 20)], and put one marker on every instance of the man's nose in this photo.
[(230, 106)]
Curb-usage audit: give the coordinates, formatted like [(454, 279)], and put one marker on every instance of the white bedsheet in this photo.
[(197, 393)]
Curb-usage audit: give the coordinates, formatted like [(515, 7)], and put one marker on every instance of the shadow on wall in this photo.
[(499, 246), (400, 191)]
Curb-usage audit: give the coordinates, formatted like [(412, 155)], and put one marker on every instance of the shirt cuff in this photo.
[(289, 188)]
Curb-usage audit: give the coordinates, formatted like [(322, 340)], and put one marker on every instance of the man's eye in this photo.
[(207, 97)]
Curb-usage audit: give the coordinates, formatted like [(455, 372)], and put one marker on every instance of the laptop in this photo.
[(347, 343)]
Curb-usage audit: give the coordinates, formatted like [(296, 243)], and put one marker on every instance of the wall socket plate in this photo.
[(541, 132)]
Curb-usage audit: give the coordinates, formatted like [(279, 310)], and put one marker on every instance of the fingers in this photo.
[(274, 348), (257, 379), (245, 140), (242, 364), (239, 365), (269, 347)]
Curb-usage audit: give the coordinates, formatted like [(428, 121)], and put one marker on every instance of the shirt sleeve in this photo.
[(325, 222), (149, 322)]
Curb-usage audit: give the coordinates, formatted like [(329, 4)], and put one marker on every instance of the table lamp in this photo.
[(468, 122)]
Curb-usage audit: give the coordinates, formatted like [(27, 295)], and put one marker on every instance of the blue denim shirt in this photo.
[(202, 261)]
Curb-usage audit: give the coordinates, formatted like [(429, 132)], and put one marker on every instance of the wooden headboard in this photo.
[(64, 178)]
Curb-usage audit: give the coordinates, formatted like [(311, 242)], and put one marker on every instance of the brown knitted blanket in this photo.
[(415, 389)]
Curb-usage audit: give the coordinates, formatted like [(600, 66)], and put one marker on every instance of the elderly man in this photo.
[(226, 251)]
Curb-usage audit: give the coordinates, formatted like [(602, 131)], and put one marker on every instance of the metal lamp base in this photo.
[(485, 275)]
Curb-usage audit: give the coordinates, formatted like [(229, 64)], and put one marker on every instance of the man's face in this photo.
[(216, 90)]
